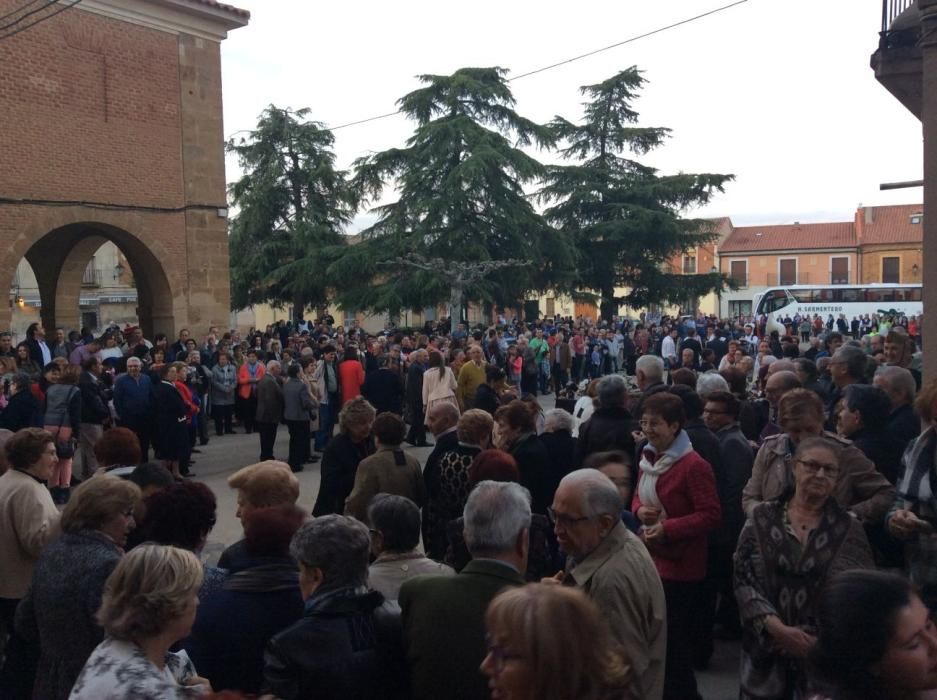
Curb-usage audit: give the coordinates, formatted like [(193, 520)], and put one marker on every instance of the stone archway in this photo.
[(60, 256)]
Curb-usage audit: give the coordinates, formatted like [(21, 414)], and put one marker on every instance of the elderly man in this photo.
[(261, 485), (903, 425), (778, 384), (133, 401), (613, 567), (443, 616), (847, 366), (270, 403), (611, 424), (346, 645), (471, 376)]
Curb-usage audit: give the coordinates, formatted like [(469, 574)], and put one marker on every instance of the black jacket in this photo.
[(21, 412), (535, 466), (904, 426), (705, 442), (607, 429), (94, 398), (883, 449), (561, 446), (347, 645), (384, 389), (486, 399), (339, 467)]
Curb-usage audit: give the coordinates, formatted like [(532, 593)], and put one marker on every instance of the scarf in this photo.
[(266, 578), (915, 487), (654, 465)]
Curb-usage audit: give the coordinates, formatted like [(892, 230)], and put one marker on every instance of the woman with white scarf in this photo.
[(678, 506)]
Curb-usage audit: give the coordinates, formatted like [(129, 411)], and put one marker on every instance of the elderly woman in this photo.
[(224, 383), (859, 488), (552, 643), (182, 516), (876, 640), (58, 611), (343, 454), (342, 647), (517, 434), (913, 516), (789, 549), (22, 407), (678, 506), (118, 452), (172, 433), (395, 536), (389, 470), (28, 519), (259, 598), (148, 605), (447, 478)]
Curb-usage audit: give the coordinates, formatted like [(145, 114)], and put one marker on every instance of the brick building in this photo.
[(112, 131)]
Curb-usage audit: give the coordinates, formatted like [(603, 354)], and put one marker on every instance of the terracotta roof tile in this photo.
[(226, 8), (745, 239), (888, 225)]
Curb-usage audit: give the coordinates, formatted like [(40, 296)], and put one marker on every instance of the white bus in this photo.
[(851, 300)]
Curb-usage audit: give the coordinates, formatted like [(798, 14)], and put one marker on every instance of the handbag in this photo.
[(64, 449)]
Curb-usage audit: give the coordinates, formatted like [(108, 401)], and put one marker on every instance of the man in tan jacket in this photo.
[(613, 567)]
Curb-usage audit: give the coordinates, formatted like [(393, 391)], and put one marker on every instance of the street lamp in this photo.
[(118, 271)]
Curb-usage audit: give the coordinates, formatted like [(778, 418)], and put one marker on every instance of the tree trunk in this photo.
[(456, 294), (608, 307), (298, 306)]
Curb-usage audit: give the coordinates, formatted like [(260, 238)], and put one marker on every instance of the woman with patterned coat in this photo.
[(787, 552)]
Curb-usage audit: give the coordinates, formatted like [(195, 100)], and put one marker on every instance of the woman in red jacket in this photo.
[(678, 506), (350, 374)]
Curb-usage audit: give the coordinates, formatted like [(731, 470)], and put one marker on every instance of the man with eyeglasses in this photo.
[(612, 566)]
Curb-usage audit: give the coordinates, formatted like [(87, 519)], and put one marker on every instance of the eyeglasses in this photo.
[(565, 520), (815, 467), (500, 655)]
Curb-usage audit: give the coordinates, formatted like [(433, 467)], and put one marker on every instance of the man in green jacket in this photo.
[(443, 616)]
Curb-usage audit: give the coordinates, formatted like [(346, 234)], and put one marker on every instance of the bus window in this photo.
[(805, 296), (914, 294), (850, 295), (772, 301)]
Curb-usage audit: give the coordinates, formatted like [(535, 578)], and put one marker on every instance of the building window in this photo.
[(891, 270), (551, 306), (689, 264), (349, 318), (916, 218), (787, 271), (740, 309), (738, 271), (429, 314), (839, 270)]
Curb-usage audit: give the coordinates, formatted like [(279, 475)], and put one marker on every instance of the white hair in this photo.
[(652, 366), (599, 495), (561, 419), (273, 363), (494, 515), (709, 383)]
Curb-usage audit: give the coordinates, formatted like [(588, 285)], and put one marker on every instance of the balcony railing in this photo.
[(902, 34), (91, 277), (741, 281)]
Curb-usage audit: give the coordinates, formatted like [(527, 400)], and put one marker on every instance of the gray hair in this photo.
[(494, 516), (854, 359), (397, 518), (134, 361), (559, 418), (652, 366), (709, 383), (899, 380), (612, 391), (273, 363), (336, 545), (599, 495)]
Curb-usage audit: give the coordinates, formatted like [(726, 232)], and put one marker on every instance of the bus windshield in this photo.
[(773, 300)]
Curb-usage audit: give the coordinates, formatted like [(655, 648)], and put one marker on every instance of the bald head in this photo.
[(781, 366), (779, 384), (595, 491), (441, 417)]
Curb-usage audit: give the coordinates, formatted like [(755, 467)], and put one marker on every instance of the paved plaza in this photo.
[(224, 455)]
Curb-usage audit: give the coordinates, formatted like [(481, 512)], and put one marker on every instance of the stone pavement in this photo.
[(225, 455)]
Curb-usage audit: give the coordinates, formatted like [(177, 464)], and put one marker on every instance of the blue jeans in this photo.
[(328, 412), (543, 376)]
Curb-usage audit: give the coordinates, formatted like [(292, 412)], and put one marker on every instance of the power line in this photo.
[(637, 37), (20, 9), (41, 19)]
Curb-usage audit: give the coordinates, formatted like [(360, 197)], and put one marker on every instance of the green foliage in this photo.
[(460, 183), (624, 218), (292, 206)]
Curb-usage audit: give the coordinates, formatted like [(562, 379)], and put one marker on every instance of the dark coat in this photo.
[(536, 468), (732, 471), (59, 608), (434, 521), (21, 412), (94, 398), (269, 400), (607, 429), (561, 446), (486, 399), (705, 442), (347, 645), (444, 629), (384, 389), (904, 425), (883, 449), (233, 625), (339, 467), (414, 394), (172, 434)]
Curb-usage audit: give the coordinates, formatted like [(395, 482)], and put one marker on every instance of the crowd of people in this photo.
[(696, 481)]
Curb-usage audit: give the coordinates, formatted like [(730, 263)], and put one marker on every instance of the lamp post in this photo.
[(714, 271)]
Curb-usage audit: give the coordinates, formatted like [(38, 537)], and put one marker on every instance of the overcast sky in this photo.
[(778, 92)]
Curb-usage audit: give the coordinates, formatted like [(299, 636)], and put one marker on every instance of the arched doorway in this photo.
[(60, 261)]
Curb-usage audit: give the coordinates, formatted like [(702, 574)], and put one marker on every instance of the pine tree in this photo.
[(292, 207), (625, 218), (459, 181)]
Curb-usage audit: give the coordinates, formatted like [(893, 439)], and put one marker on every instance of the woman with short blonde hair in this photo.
[(148, 605), (549, 642)]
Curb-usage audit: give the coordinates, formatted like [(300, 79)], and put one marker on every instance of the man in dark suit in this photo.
[(414, 398), (443, 616), (39, 352), (269, 409)]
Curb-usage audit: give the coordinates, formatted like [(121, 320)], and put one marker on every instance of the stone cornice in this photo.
[(191, 17)]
